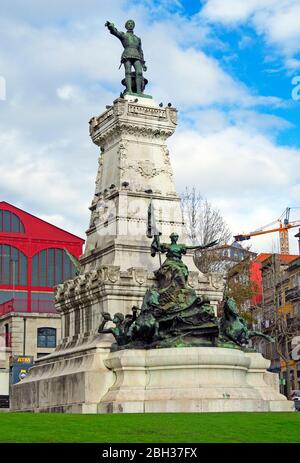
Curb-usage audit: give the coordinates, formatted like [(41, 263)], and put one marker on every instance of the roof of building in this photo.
[(37, 227), (288, 258), (294, 264), (235, 244), (284, 258), (262, 256)]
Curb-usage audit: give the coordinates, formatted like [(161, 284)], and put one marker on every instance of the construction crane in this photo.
[(282, 228)]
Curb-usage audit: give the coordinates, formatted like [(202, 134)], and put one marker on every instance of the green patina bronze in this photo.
[(233, 328), (172, 276), (122, 325), (172, 314), (132, 57)]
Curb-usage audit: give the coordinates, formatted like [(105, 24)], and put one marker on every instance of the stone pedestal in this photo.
[(116, 268), (72, 380), (134, 166), (193, 379)]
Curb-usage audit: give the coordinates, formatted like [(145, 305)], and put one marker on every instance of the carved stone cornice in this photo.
[(119, 129), (133, 119), (89, 287)]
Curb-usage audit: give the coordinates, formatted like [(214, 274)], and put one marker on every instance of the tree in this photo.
[(241, 287), (205, 224)]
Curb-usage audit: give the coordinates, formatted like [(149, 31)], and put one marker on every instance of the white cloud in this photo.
[(243, 172), (61, 68), (191, 77), (68, 92), (276, 20), (232, 11), (213, 120), (33, 176)]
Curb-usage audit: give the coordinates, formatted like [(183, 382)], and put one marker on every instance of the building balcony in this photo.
[(20, 306), (294, 321), (292, 294)]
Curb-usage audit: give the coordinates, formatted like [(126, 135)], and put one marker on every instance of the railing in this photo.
[(20, 305), (294, 321), (292, 294)]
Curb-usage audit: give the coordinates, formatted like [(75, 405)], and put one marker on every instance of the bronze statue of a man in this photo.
[(132, 55)]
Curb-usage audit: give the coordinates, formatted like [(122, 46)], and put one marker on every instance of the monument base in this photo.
[(71, 380), (91, 379), (193, 379)]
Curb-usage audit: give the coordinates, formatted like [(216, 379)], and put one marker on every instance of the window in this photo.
[(51, 267), (42, 302), (10, 223), (7, 335), (46, 337), (13, 266)]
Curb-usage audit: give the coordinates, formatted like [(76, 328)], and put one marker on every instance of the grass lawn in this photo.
[(147, 428)]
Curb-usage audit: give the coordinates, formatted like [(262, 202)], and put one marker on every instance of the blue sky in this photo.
[(227, 65)]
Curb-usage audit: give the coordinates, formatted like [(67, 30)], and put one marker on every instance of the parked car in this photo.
[(296, 400), (295, 393)]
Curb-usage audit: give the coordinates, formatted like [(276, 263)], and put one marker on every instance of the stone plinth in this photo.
[(193, 379), (117, 268), (134, 167), (72, 380)]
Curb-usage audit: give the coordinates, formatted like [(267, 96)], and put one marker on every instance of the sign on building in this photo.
[(20, 367)]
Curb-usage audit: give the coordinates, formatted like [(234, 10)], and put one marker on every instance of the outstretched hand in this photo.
[(209, 245), (107, 23)]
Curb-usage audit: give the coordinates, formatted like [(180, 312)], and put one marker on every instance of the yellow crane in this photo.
[(283, 227)]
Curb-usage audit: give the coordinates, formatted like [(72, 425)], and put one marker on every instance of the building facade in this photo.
[(278, 314), (33, 259), (292, 311), (244, 280)]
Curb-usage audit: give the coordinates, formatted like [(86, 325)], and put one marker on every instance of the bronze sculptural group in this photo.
[(172, 315)]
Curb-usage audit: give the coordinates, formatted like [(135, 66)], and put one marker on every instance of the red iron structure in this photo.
[(32, 260)]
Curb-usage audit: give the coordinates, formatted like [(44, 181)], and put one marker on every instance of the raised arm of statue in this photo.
[(209, 245), (113, 30), (105, 318), (157, 246)]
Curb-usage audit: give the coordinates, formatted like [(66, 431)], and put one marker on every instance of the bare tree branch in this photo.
[(205, 224)]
